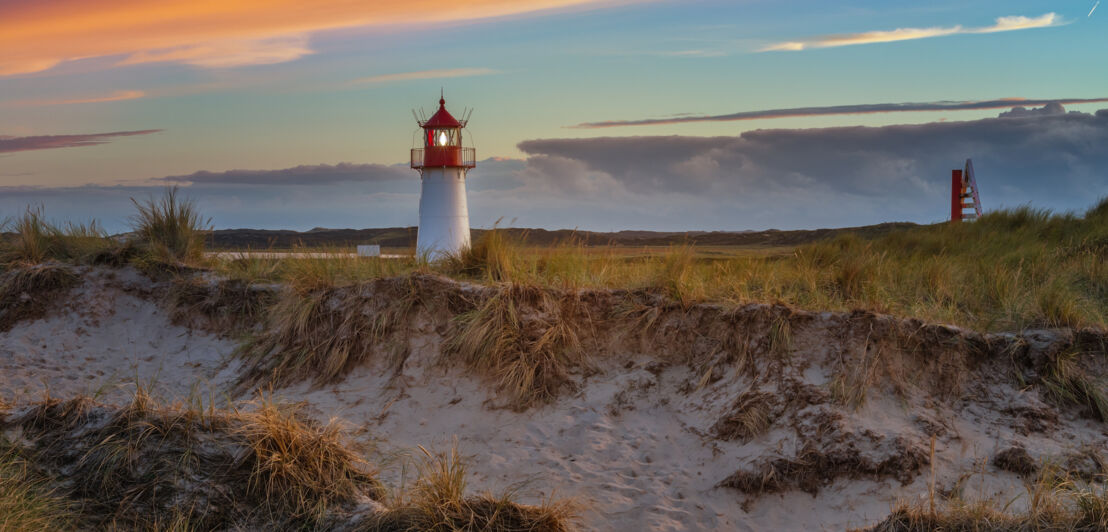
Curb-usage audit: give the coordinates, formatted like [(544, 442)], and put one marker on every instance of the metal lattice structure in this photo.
[(963, 194)]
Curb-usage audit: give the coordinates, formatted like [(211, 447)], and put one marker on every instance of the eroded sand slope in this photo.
[(696, 423)]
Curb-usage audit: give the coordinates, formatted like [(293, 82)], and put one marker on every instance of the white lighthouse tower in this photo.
[(442, 163)]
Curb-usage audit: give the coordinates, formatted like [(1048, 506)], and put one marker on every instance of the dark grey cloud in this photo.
[(1052, 108), (45, 142), (341, 195), (843, 110), (1046, 156), (311, 175)]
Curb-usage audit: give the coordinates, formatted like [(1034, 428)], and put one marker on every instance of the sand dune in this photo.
[(644, 441)]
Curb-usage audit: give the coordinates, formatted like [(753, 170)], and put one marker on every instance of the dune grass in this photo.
[(524, 338), (1053, 502), (260, 465), (1009, 270), (153, 466), (26, 502), (316, 268), (27, 290), (33, 240), (438, 501), (170, 228)]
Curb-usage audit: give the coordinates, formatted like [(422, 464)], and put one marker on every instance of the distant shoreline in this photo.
[(404, 237)]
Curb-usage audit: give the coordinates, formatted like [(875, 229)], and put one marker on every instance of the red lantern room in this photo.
[(442, 142)]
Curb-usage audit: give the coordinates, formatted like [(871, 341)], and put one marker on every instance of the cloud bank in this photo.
[(783, 178), (1011, 23), (858, 109), (46, 142), (38, 35), (847, 175), (305, 175)]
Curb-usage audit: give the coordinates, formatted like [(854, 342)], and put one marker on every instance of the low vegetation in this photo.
[(170, 228), (152, 466), (437, 501), (26, 501), (31, 239), (26, 291), (1054, 502), (1009, 270)]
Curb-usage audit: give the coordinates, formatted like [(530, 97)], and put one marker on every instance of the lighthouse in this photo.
[(442, 162)]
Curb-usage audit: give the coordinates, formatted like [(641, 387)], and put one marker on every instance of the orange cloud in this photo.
[(113, 97), (39, 35), (427, 74)]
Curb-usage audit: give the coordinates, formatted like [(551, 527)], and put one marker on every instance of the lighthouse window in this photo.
[(442, 137)]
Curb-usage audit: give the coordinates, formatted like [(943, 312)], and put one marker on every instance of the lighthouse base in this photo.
[(443, 213)]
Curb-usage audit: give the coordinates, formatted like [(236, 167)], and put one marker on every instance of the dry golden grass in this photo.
[(524, 338), (437, 502), (1067, 383), (35, 240), (232, 307), (27, 291), (148, 466), (170, 229), (1054, 502), (1009, 270), (27, 504), (749, 417), (151, 466), (323, 333)]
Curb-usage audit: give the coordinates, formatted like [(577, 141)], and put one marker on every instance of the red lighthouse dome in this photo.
[(442, 142)]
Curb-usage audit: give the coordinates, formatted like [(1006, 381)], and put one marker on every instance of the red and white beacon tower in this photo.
[(963, 194), (442, 163)]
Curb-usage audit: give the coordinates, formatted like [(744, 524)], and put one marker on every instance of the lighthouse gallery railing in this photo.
[(445, 156)]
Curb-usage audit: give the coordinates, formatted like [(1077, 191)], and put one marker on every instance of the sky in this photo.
[(597, 115)]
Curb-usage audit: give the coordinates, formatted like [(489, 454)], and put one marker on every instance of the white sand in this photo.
[(102, 340), (629, 446)]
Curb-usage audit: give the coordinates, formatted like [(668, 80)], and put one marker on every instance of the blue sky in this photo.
[(321, 90)]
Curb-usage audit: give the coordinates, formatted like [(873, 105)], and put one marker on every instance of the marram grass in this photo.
[(1009, 270)]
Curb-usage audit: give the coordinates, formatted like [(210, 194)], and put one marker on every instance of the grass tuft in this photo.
[(750, 416), (438, 503), (27, 291), (524, 338), (26, 501), (170, 229), (1067, 383), (35, 240), (1055, 503), (493, 257), (323, 333), (149, 466), (157, 467)]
